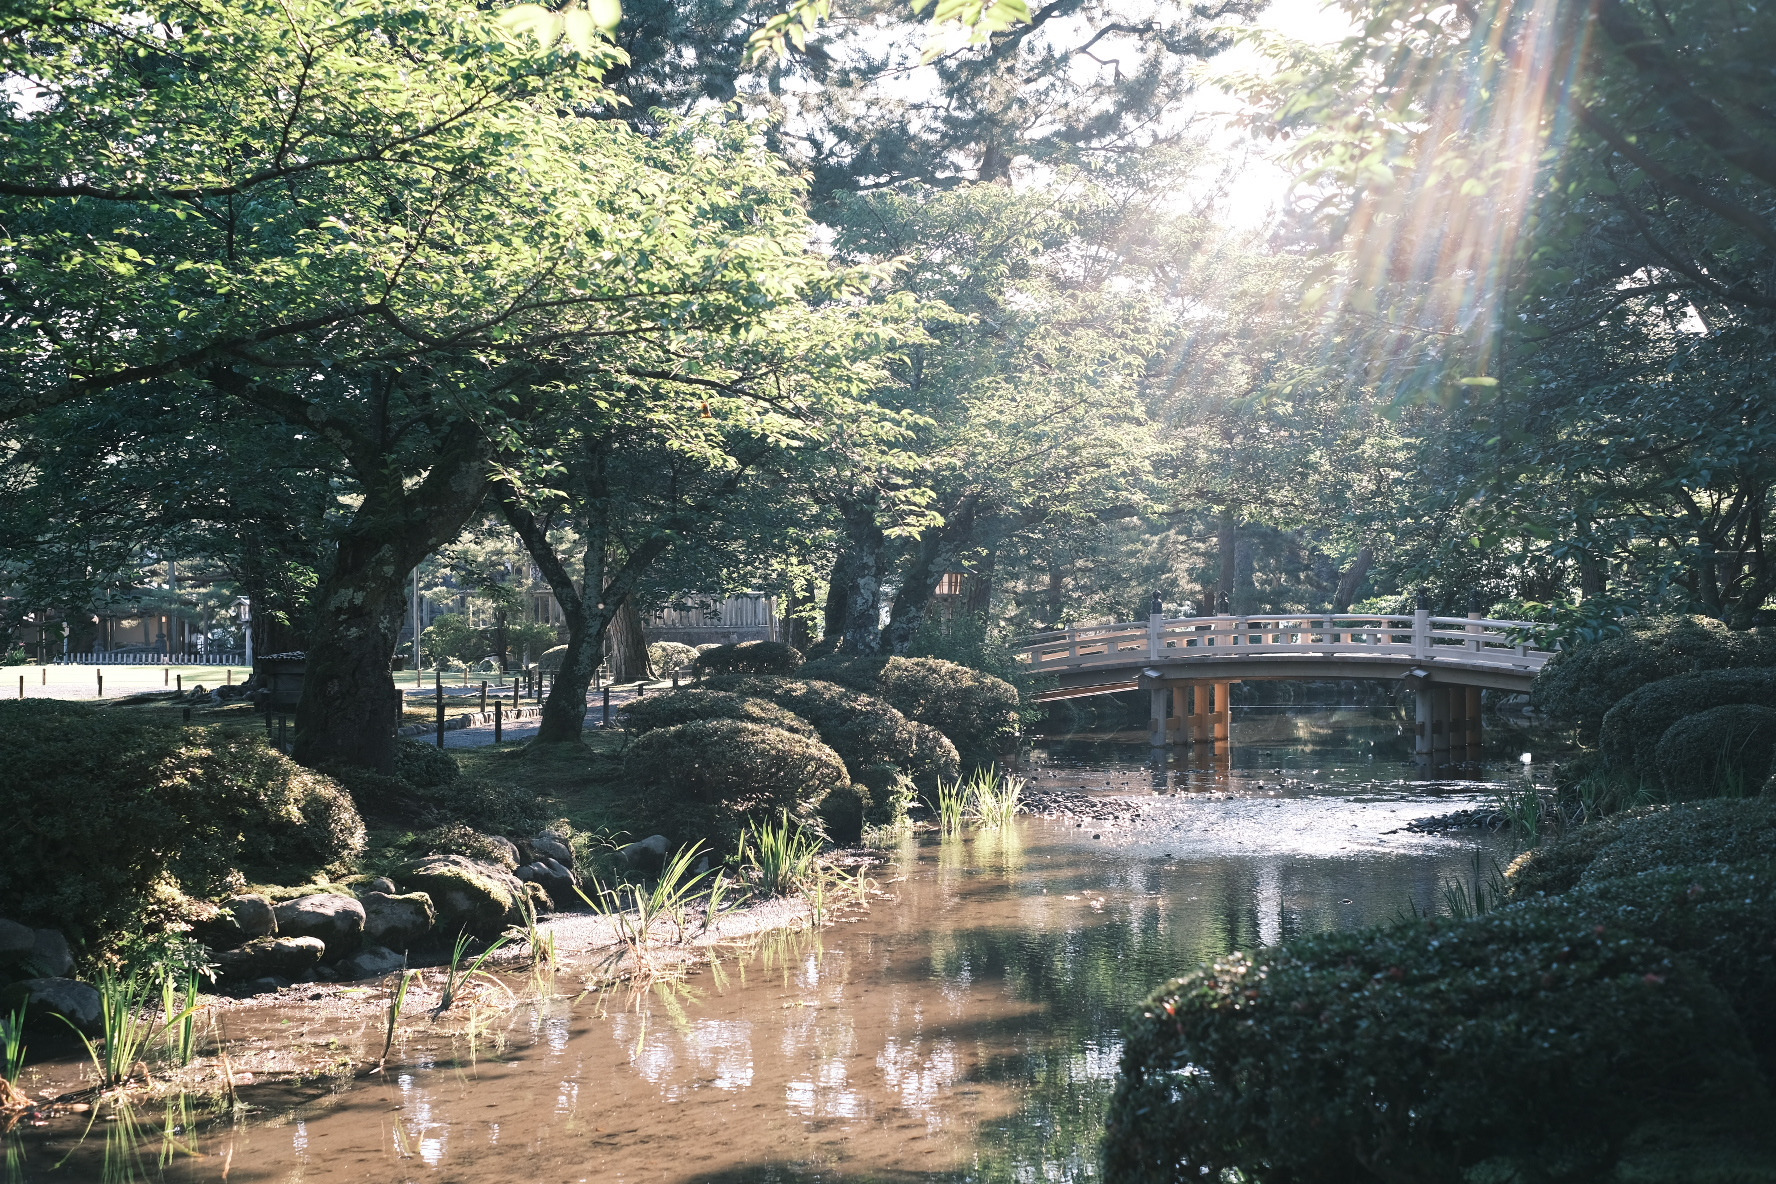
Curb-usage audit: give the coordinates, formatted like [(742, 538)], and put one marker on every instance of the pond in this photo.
[(964, 1028)]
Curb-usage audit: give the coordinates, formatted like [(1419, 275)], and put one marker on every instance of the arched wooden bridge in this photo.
[(1189, 664)]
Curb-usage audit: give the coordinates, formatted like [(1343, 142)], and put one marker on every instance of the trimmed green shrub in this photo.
[(1687, 834), (1527, 1044), (1633, 728), (1721, 752), (485, 806), (710, 778), (424, 765), (1721, 918), (860, 728), (751, 657), (978, 712), (683, 706), (1579, 685), (105, 809), (1556, 865), (456, 839), (667, 656)]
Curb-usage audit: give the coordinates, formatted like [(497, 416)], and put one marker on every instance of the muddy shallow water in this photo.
[(966, 1028)]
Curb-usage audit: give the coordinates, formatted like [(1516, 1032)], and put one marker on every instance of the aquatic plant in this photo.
[(540, 945), (397, 1000), (127, 1025), (182, 1023), (952, 806), (993, 797), (781, 857), (457, 974), (12, 1045)]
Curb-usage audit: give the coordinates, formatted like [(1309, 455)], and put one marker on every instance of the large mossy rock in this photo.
[(1633, 728), (690, 704), (1724, 751), (711, 778), (398, 921), (1581, 684), (1530, 1044), (469, 896), (105, 809), (284, 957), (1685, 834)]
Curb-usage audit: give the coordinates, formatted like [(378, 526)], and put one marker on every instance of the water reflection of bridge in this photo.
[(1189, 665)]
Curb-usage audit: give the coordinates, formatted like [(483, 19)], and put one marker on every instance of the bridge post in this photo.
[(1423, 712), (1153, 631), (1421, 633)]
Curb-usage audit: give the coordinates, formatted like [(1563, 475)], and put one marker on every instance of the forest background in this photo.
[(311, 294)]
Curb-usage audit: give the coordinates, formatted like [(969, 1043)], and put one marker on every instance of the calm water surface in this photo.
[(966, 1029)]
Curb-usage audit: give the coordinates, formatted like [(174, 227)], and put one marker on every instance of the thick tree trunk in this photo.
[(980, 585), (1227, 539), (796, 629), (936, 548), (1351, 581), (347, 712), (628, 645), (858, 580)]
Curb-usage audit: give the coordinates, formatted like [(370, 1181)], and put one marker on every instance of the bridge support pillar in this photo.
[(1160, 698), (1443, 700), (1476, 738), (1423, 712), (1223, 726), (1199, 713)]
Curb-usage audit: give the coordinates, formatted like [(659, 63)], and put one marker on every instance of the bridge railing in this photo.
[(1469, 640)]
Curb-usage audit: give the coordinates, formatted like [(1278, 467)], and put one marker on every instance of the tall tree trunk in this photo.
[(628, 645), (1351, 581), (347, 713), (1227, 539), (980, 585), (860, 594), (937, 547)]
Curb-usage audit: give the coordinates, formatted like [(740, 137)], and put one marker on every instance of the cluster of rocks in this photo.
[(1479, 818), (1065, 803), (39, 962), (414, 913)]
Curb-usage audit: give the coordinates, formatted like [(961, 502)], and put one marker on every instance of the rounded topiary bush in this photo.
[(1721, 917), (667, 656), (1579, 685), (860, 728), (694, 703), (1721, 752), (1686, 834), (710, 778), (1525, 1044), (750, 657), (424, 765), (105, 809), (978, 712), (1632, 728)]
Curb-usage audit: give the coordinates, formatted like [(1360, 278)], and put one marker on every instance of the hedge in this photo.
[(104, 810), (862, 729), (1632, 728), (428, 790), (1686, 834), (683, 706), (750, 657), (708, 779), (978, 712), (667, 656), (1722, 918), (1579, 685), (1721, 752), (1527, 1044)]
